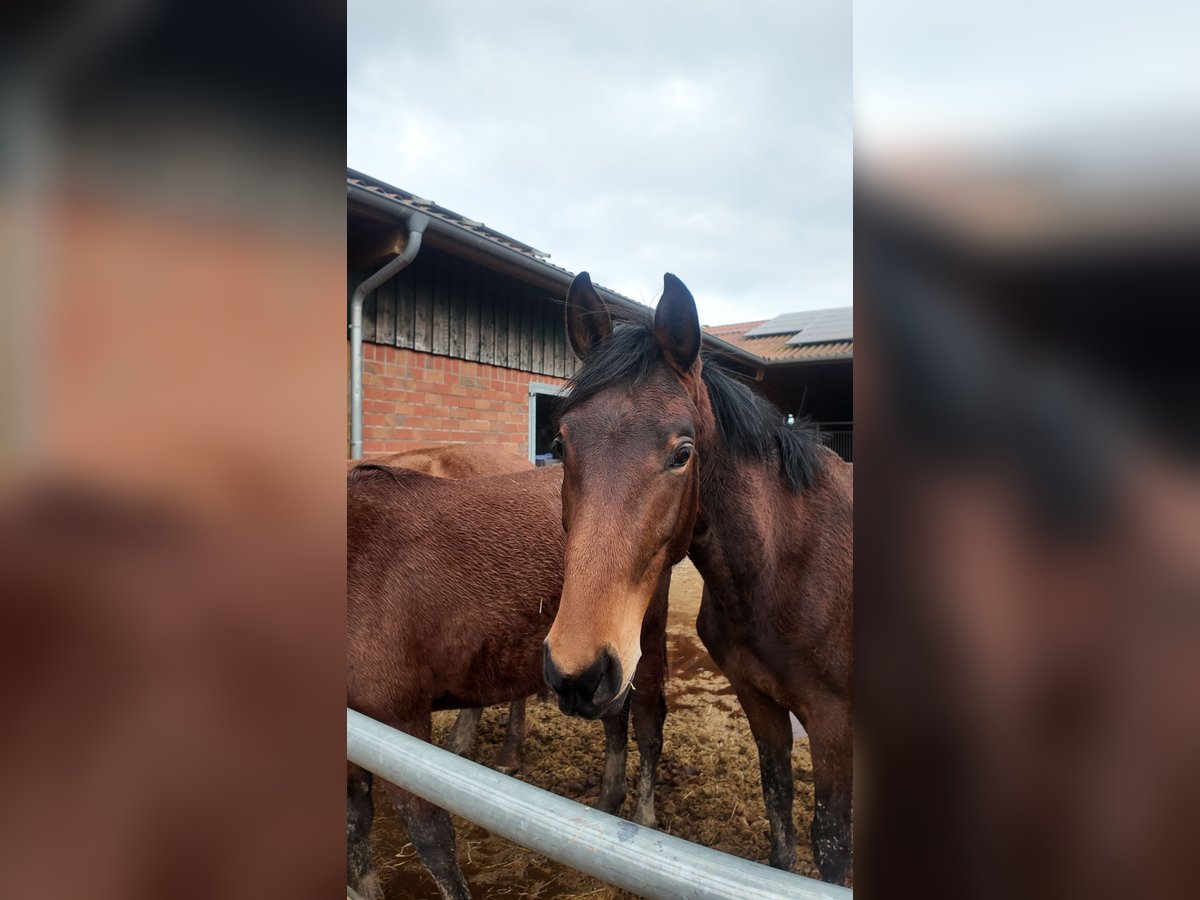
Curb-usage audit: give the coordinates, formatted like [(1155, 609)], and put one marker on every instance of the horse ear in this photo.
[(588, 321), (676, 325)]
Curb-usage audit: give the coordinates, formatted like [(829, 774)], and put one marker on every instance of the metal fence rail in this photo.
[(839, 437), (614, 850)]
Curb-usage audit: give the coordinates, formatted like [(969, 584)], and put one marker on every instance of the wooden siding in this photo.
[(444, 305)]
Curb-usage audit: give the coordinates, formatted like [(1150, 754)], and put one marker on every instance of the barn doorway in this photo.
[(544, 403)]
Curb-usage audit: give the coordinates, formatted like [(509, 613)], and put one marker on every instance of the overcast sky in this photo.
[(712, 140), (1078, 79)]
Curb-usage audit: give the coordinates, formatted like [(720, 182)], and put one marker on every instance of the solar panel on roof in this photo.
[(826, 329), (814, 326), (787, 323)]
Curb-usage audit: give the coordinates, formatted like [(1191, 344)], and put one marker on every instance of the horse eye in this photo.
[(556, 448), (682, 455)]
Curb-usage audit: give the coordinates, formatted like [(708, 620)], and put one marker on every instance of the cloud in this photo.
[(626, 139)]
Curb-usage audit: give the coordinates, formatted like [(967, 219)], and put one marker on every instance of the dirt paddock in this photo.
[(708, 792)]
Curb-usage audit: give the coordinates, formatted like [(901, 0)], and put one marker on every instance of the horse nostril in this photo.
[(586, 683), (610, 679), (550, 672)]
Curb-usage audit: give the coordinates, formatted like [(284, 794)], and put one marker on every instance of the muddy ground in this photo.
[(708, 791)]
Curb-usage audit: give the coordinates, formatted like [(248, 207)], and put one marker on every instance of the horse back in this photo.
[(455, 461), (421, 541), (451, 585)]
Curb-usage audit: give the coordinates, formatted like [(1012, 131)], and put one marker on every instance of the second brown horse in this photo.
[(468, 461), (451, 588)]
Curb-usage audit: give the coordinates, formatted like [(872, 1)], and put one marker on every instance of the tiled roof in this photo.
[(780, 347), (736, 328), (431, 208)]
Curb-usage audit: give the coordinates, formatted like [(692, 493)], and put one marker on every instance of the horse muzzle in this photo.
[(590, 694)]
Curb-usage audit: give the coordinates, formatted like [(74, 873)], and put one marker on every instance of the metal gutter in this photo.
[(808, 360)]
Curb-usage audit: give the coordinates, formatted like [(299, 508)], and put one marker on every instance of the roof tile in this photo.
[(779, 347)]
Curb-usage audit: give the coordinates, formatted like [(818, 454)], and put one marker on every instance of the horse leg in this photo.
[(649, 713), (462, 735), (650, 704), (429, 827), (772, 730), (432, 833), (830, 736), (508, 760), (616, 748), (360, 811)]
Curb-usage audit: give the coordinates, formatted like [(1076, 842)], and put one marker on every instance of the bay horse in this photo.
[(665, 454), (468, 461), (451, 588)]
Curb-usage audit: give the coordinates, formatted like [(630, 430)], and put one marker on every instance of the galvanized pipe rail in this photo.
[(614, 850)]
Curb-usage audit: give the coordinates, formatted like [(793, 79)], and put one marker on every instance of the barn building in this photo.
[(807, 367), (463, 336)]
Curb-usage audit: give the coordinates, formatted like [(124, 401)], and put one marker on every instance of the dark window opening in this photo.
[(545, 413)]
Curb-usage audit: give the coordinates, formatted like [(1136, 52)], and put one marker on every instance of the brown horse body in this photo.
[(663, 454), (468, 461), (451, 588), (776, 615)]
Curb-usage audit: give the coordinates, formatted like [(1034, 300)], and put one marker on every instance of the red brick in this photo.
[(415, 399)]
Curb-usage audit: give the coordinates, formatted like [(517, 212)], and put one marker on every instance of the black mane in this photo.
[(749, 425)]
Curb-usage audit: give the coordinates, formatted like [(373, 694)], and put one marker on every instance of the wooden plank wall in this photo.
[(444, 305)]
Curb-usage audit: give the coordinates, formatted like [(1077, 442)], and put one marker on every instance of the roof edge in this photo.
[(478, 245)]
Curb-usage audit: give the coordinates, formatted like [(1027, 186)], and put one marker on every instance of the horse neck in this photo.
[(736, 506)]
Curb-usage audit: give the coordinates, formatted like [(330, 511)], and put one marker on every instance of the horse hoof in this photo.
[(369, 888), (507, 762), (649, 820), (612, 807), (833, 873), (785, 861)]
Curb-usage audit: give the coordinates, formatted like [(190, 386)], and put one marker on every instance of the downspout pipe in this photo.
[(412, 246)]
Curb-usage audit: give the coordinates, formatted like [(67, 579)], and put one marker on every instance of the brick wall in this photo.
[(413, 399)]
